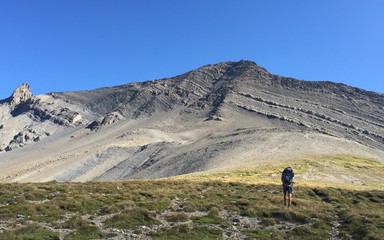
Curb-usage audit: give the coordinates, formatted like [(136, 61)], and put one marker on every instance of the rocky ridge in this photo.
[(245, 85)]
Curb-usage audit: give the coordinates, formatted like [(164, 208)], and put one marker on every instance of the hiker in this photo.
[(287, 180)]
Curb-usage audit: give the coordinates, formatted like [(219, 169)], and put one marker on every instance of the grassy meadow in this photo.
[(237, 204)]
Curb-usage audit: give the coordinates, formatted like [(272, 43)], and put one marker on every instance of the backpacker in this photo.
[(287, 175)]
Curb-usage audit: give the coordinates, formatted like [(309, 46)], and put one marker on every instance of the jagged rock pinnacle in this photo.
[(21, 94)]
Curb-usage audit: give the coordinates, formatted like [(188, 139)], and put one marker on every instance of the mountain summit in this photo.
[(220, 116)]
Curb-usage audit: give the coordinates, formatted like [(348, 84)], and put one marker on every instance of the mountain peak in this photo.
[(229, 69), (21, 94), (232, 64)]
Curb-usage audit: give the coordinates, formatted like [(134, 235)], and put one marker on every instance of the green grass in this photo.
[(183, 231), (30, 232), (211, 218), (82, 229), (264, 234), (40, 210), (87, 232), (132, 219), (359, 212), (207, 219), (177, 217)]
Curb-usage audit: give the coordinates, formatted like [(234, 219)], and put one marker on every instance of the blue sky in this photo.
[(67, 45)]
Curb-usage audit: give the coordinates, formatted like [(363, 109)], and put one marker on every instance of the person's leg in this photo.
[(290, 190), (286, 194), (289, 199)]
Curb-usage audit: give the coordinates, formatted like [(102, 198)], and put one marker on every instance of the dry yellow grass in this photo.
[(340, 171)]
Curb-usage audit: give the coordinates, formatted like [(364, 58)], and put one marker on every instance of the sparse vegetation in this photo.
[(263, 234), (177, 217), (131, 219), (193, 207), (30, 232), (211, 218), (183, 231), (87, 232)]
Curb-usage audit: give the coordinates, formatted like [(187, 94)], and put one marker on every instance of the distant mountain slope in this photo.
[(231, 114), (326, 107)]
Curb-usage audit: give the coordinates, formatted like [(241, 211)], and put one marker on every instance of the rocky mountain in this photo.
[(226, 115)]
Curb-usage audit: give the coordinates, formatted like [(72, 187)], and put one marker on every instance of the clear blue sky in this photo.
[(66, 45)]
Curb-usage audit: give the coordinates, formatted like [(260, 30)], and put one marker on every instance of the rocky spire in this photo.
[(21, 94)]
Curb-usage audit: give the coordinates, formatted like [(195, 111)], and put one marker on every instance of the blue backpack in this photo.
[(287, 175)]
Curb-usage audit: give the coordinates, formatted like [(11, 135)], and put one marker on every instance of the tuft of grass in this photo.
[(263, 234), (211, 218), (183, 231), (157, 205), (87, 232), (307, 232), (82, 229), (268, 222), (131, 219), (75, 222), (30, 232), (177, 217)]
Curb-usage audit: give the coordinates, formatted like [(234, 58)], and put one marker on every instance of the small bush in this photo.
[(214, 212), (249, 212)]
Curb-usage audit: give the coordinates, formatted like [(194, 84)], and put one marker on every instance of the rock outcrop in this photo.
[(26, 119), (24, 137), (105, 121), (21, 94)]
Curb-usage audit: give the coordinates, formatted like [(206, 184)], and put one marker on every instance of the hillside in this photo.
[(241, 204), (228, 115)]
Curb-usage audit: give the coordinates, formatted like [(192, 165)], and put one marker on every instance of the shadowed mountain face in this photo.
[(227, 115)]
